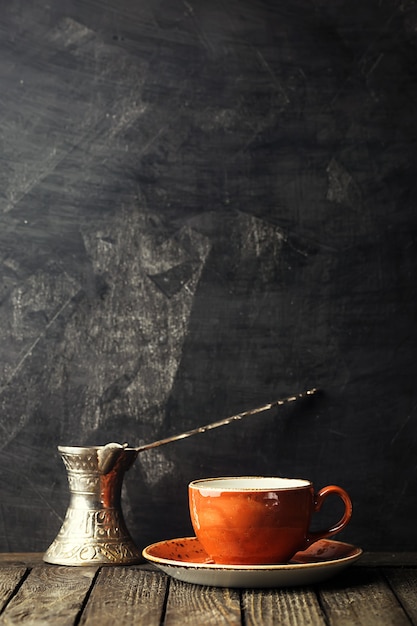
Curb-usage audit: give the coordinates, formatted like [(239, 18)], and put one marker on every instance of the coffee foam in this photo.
[(249, 483)]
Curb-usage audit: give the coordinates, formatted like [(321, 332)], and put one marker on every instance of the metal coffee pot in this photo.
[(94, 530)]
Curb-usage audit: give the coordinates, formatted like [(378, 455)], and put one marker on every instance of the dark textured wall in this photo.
[(205, 206)]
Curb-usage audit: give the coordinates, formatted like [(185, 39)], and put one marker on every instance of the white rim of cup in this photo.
[(249, 483)]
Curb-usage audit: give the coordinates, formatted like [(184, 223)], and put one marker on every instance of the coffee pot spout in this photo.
[(108, 455)]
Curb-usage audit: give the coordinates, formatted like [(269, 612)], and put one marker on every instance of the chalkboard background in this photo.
[(205, 206)]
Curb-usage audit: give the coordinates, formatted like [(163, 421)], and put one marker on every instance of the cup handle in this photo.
[(319, 498)]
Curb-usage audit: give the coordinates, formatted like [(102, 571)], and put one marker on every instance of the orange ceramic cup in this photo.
[(252, 520)]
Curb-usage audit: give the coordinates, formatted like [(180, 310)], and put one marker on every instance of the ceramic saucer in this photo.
[(185, 559)]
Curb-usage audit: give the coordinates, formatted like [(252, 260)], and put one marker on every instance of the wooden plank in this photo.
[(23, 558), (50, 595), (362, 597), (10, 577), (194, 604), (287, 607), (124, 596), (404, 584)]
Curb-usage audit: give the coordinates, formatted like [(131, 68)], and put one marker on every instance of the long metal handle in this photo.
[(228, 420)]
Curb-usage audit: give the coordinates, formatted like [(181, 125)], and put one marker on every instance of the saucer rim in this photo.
[(157, 560)]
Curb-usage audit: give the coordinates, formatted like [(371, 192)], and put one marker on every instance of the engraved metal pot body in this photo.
[(94, 530)]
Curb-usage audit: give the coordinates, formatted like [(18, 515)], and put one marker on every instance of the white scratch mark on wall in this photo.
[(404, 424), (285, 100), (339, 182), (29, 351), (155, 466), (39, 133), (146, 327)]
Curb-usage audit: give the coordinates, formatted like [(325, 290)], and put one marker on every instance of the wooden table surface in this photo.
[(380, 589)]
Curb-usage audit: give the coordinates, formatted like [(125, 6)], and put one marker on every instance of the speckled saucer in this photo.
[(185, 559)]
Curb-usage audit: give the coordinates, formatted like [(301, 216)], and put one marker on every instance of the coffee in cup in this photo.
[(250, 520)]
